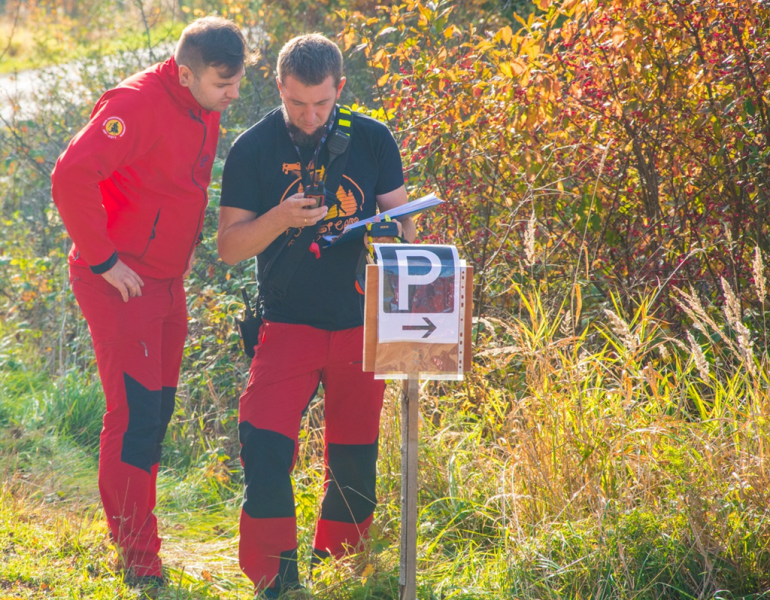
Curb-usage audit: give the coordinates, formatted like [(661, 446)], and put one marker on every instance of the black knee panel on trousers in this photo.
[(141, 436), (267, 462), (288, 573), (167, 402), (352, 478)]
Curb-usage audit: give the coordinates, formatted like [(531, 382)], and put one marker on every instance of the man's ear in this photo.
[(186, 76), (278, 83), (340, 86)]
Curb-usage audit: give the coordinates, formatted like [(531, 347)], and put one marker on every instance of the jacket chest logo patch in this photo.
[(203, 162), (114, 127)]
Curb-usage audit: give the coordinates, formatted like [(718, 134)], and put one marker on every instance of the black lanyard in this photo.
[(303, 169)]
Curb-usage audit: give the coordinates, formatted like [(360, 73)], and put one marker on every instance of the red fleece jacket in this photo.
[(132, 183)]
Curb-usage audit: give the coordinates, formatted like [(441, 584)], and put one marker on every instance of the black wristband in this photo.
[(106, 265)]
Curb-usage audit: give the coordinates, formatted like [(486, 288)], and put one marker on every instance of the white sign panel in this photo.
[(419, 293)]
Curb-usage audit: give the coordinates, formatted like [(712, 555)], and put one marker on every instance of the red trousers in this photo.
[(138, 347), (290, 362)]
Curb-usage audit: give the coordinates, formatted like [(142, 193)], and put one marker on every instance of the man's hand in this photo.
[(295, 211), (125, 280), (368, 240), (243, 234)]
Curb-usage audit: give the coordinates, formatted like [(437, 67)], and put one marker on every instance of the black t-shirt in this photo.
[(262, 169)]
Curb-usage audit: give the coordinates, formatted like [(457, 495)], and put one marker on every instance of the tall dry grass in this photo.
[(605, 454)]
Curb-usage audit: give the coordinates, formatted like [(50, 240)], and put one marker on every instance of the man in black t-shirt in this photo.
[(314, 333)]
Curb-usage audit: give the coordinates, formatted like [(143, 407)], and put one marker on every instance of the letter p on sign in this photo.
[(406, 279)]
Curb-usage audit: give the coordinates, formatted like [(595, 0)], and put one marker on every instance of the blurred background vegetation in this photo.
[(605, 166)]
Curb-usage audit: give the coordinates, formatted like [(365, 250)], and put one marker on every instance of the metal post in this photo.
[(409, 417)]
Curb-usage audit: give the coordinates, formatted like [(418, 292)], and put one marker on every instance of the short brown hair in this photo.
[(213, 41), (310, 59)]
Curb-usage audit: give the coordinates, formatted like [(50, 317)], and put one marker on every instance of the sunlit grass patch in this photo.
[(53, 553)]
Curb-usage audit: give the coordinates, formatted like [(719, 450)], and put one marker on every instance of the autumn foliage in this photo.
[(605, 167), (618, 145)]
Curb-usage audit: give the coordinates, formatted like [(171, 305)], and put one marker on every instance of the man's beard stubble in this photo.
[(302, 139)]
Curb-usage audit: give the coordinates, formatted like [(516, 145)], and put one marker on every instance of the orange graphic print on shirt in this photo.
[(345, 210)]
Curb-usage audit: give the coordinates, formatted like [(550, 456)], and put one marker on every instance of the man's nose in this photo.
[(311, 116)]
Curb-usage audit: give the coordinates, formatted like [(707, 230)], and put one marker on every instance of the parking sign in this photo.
[(419, 299), (417, 317)]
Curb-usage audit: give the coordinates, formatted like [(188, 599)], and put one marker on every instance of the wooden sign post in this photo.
[(410, 416), (428, 293)]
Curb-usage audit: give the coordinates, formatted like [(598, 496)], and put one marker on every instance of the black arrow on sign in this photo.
[(428, 329)]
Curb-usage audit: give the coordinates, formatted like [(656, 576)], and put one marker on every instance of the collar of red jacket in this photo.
[(169, 75)]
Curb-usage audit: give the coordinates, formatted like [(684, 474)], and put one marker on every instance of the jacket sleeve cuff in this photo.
[(106, 265)]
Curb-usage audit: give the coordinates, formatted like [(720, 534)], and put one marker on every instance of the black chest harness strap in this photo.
[(281, 268)]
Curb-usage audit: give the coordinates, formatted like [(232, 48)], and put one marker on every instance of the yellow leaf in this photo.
[(383, 80), (505, 68), (368, 570), (618, 35), (532, 49), (206, 575), (349, 38), (506, 34), (568, 30)]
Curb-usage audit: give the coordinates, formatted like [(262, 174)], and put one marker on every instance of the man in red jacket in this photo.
[(131, 190)]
